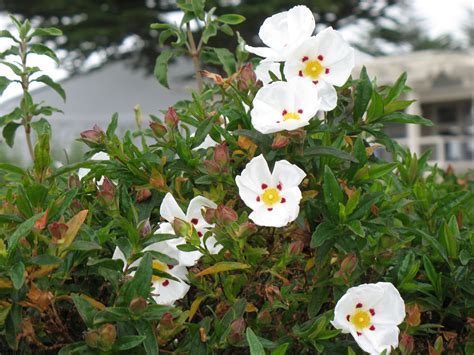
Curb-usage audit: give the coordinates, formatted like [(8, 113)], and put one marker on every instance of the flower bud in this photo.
[(295, 247), (158, 129), (182, 228), (221, 154), (280, 141), (92, 339), (57, 230), (348, 265), (407, 344), (264, 317), (144, 228), (107, 337), (143, 195), (225, 215), (237, 330), (73, 182), (107, 190), (40, 224), (157, 180), (93, 136), (246, 229), (414, 314), (171, 118), (210, 215), (137, 305), (166, 321), (212, 167), (247, 77), (297, 135)]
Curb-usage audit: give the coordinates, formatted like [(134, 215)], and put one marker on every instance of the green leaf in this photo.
[(127, 342), (209, 32), (161, 67), (12, 116), (22, 231), (448, 237), (281, 350), (7, 34), (146, 329), (203, 130), (198, 8), (329, 151), (376, 107), (227, 59), (396, 89), (17, 275), (323, 232), (430, 271), (231, 19), (139, 286), (4, 82), (356, 227), (162, 257), (41, 126), (48, 31), (332, 192), (41, 49), (256, 347), (86, 310), (46, 259), (223, 266), (12, 169), (79, 348), (52, 84), (112, 315), (405, 118), (159, 26), (83, 245), (9, 132), (362, 95), (15, 69), (42, 156)]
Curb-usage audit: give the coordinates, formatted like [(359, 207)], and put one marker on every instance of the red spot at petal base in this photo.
[(165, 283), (279, 187), (264, 186), (372, 327), (270, 209), (300, 111), (327, 71), (359, 305), (320, 57), (194, 221), (170, 266), (315, 82), (305, 58), (258, 198), (283, 200), (300, 73), (372, 312), (199, 234), (278, 121), (284, 112), (359, 333), (348, 317)]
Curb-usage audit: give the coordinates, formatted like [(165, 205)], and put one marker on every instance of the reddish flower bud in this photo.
[(225, 215), (157, 180), (264, 317), (93, 136), (221, 154), (143, 195), (246, 229), (144, 228), (107, 190), (138, 305), (297, 135), (158, 129), (167, 321), (171, 117), (73, 182), (280, 141), (212, 167), (107, 337), (247, 77), (210, 215), (40, 224), (92, 339), (407, 344), (237, 330), (57, 230), (296, 247), (348, 265), (182, 228)]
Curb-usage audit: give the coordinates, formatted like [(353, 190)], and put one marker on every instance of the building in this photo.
[(443, 87)]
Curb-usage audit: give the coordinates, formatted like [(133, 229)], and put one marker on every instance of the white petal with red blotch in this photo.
[(391, 304), (255, 174), (166, 292), (384, 337), (187, 258), (289, 175), (170, 209), (194, 213)]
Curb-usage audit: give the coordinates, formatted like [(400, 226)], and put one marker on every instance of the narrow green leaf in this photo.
[(52, 84), (161, 67), (329, 151), (256, 347), (127, 342), (396, 89), (17, 275), (85, 309), (9, 132), (22, 231), (223, 266), (281, 350), (323, 232), (231, 19), (405, 118), (362, 95), (49, 31), (332, 192), (227, 59), (41, 49), (4, 82)]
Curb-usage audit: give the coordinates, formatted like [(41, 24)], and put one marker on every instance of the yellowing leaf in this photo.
[(5, 283), (223, 266), (195, 306), (250, 308), (96, 304), (74, 224)]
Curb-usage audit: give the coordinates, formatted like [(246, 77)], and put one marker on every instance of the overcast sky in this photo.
[(440, 17)]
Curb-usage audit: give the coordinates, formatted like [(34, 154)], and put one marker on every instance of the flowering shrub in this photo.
[(296, 232)]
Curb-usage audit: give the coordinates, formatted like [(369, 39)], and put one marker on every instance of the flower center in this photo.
[(160, 267), (313, 69), (291, 116), (360, 319), (271, 196)]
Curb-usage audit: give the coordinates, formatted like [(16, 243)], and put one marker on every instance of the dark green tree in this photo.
[(92, 26)]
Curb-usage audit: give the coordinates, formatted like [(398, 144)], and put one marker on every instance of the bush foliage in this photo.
[(362, 219)]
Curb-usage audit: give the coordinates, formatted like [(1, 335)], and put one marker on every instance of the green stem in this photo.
[(25, 86)]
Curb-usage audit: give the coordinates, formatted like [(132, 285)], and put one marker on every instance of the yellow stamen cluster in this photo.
[(313, 69), (360, 319), (271, 196)]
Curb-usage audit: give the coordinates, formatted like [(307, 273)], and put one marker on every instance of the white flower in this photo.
[(371, 313), (284, 105), (100, 156), (165, 291), (326, 60), (263, 69), (170, 210), (273, 197), (284, 31)]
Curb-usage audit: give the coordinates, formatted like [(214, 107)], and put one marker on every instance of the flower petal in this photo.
[(194, 213), (264, 52), (327, 96), (119, 255), (289, 175), (340, 71), (391, 304), (170, 209), (277, 217), (264, 67), (332, 46), (247, 194), (166, 292), (384, 337), (255, 174)]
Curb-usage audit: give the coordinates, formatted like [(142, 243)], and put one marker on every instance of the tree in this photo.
[(103, 27)]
